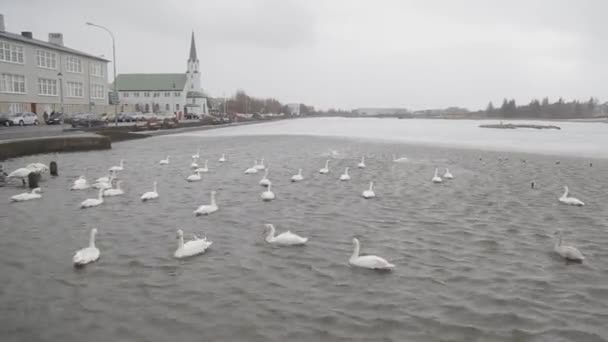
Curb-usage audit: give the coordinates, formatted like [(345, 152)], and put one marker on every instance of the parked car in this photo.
[(190, 116), (21, 119), (127, 117), (4, 119), (138, 116), (54, 119), (87, 120)]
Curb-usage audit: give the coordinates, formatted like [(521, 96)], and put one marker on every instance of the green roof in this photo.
[(151, 82)]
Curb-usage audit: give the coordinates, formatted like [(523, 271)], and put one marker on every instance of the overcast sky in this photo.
[(349, 53)]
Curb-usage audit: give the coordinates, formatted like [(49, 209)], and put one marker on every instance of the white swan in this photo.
[(150, 194), (87, 254), (265, 181), (436, 178), (222, 158), (261, 165), (119, 167), (207, 209), (448, 174), (252, 169), (361, 164), (38, 167), (268, 195), (345, 176), (297, 177), (325, 169), (117, 191), (192, 247), (203, 169), (93, 202), (284, 239), (567, 252), (400, 159), (105, 184), (26, 196), (106, 179), (164, 161), (194, 164), (20, 173), (368, 261), (80, 184), (570, 200), (195, 177), (369, 193), (198, 153)]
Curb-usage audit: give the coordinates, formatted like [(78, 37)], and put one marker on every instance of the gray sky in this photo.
[(349, 53)]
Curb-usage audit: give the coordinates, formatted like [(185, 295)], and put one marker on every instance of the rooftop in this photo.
[(151, 82), (34, 41)]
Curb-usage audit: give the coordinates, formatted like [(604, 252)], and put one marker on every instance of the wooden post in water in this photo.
[(53, 167), (32, 180)]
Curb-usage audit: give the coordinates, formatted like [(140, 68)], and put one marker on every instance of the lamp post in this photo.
[(60, 75), (115, 90)]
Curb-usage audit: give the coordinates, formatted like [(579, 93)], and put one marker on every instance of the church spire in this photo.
[(192, 49)]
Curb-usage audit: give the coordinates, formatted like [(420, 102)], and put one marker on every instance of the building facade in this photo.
[(42, 76), (175, 93)]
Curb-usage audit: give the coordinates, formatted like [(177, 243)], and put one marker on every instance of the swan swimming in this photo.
[(203, 169), (361, 164), (567, 252), (345, 176), (87, 254), (195, 177), (80, 184), (565, 199), (107, 178), (265, 181), (297, 177), (105, 184), (436, 178), (448, 174), (222, 158), (368, 261), (150, 194), (325, 169), (194, 164), (198, 153), (207, 209), (260, 166), (119, 167), (93, 202), (115, 191), (268, 195), (252, 169), (369, 193), (400, 159), (26, 196), (284, 239), (164, 161), (190, 248)]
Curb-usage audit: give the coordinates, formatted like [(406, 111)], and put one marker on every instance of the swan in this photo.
[(203, 169), (194, 164), (345, 176), (284, 239), (265, 181), (194, 177), (268, 195), (361, 164), (26, 196), (150, 194), (325, 169), (80, 184), (164, 161), (567, 252), (252, 169), (207, 209), (92, 202), (369, 193), (222, 158), (368, 261), (38, 167), (106, 179), (115, 191), (104, 185), (448, 174), (198, 153), (399, 160), (260, 166), (297, 177), (20, 173), (117, 167), (87, 254), (570, 200), (192, 247), (436, 178)]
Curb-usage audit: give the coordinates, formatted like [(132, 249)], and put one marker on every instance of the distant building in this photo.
[(176, 93), (294, 108), (37, 76)]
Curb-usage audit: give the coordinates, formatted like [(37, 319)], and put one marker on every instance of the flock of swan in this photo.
[(110, 186)]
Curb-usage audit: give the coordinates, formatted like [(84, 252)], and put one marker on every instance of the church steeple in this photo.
[(192, 49)]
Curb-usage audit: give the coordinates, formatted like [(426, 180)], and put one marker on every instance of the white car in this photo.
[(21, 119)]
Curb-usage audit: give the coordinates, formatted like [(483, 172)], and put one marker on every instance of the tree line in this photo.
[(240, 102), (544, 109)]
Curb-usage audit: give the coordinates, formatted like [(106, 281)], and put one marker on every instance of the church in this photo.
[(174, 93)]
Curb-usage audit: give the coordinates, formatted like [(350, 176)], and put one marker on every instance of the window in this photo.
[(11, 53), (125, 94), (73, 64), (47, 87), (98, 91), (146, 94), (96, 69), (136, 94), (12, 84), (167, 107), (74, 89), (17, 107), (167, 94), (156, 94), (177, 94), (46, 59), (177, 106)]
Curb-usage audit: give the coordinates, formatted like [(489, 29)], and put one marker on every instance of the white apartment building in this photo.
[(42, 76)]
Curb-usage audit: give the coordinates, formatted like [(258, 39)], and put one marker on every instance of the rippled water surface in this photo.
[(473, 256)]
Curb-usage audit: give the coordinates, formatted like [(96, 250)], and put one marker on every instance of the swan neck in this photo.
[(100, 195), (270, 234), (355, 251), (180, 241), (565, 192), (371, 186)]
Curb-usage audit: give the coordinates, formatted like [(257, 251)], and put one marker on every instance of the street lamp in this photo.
[(115, 90), (60, 75)]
